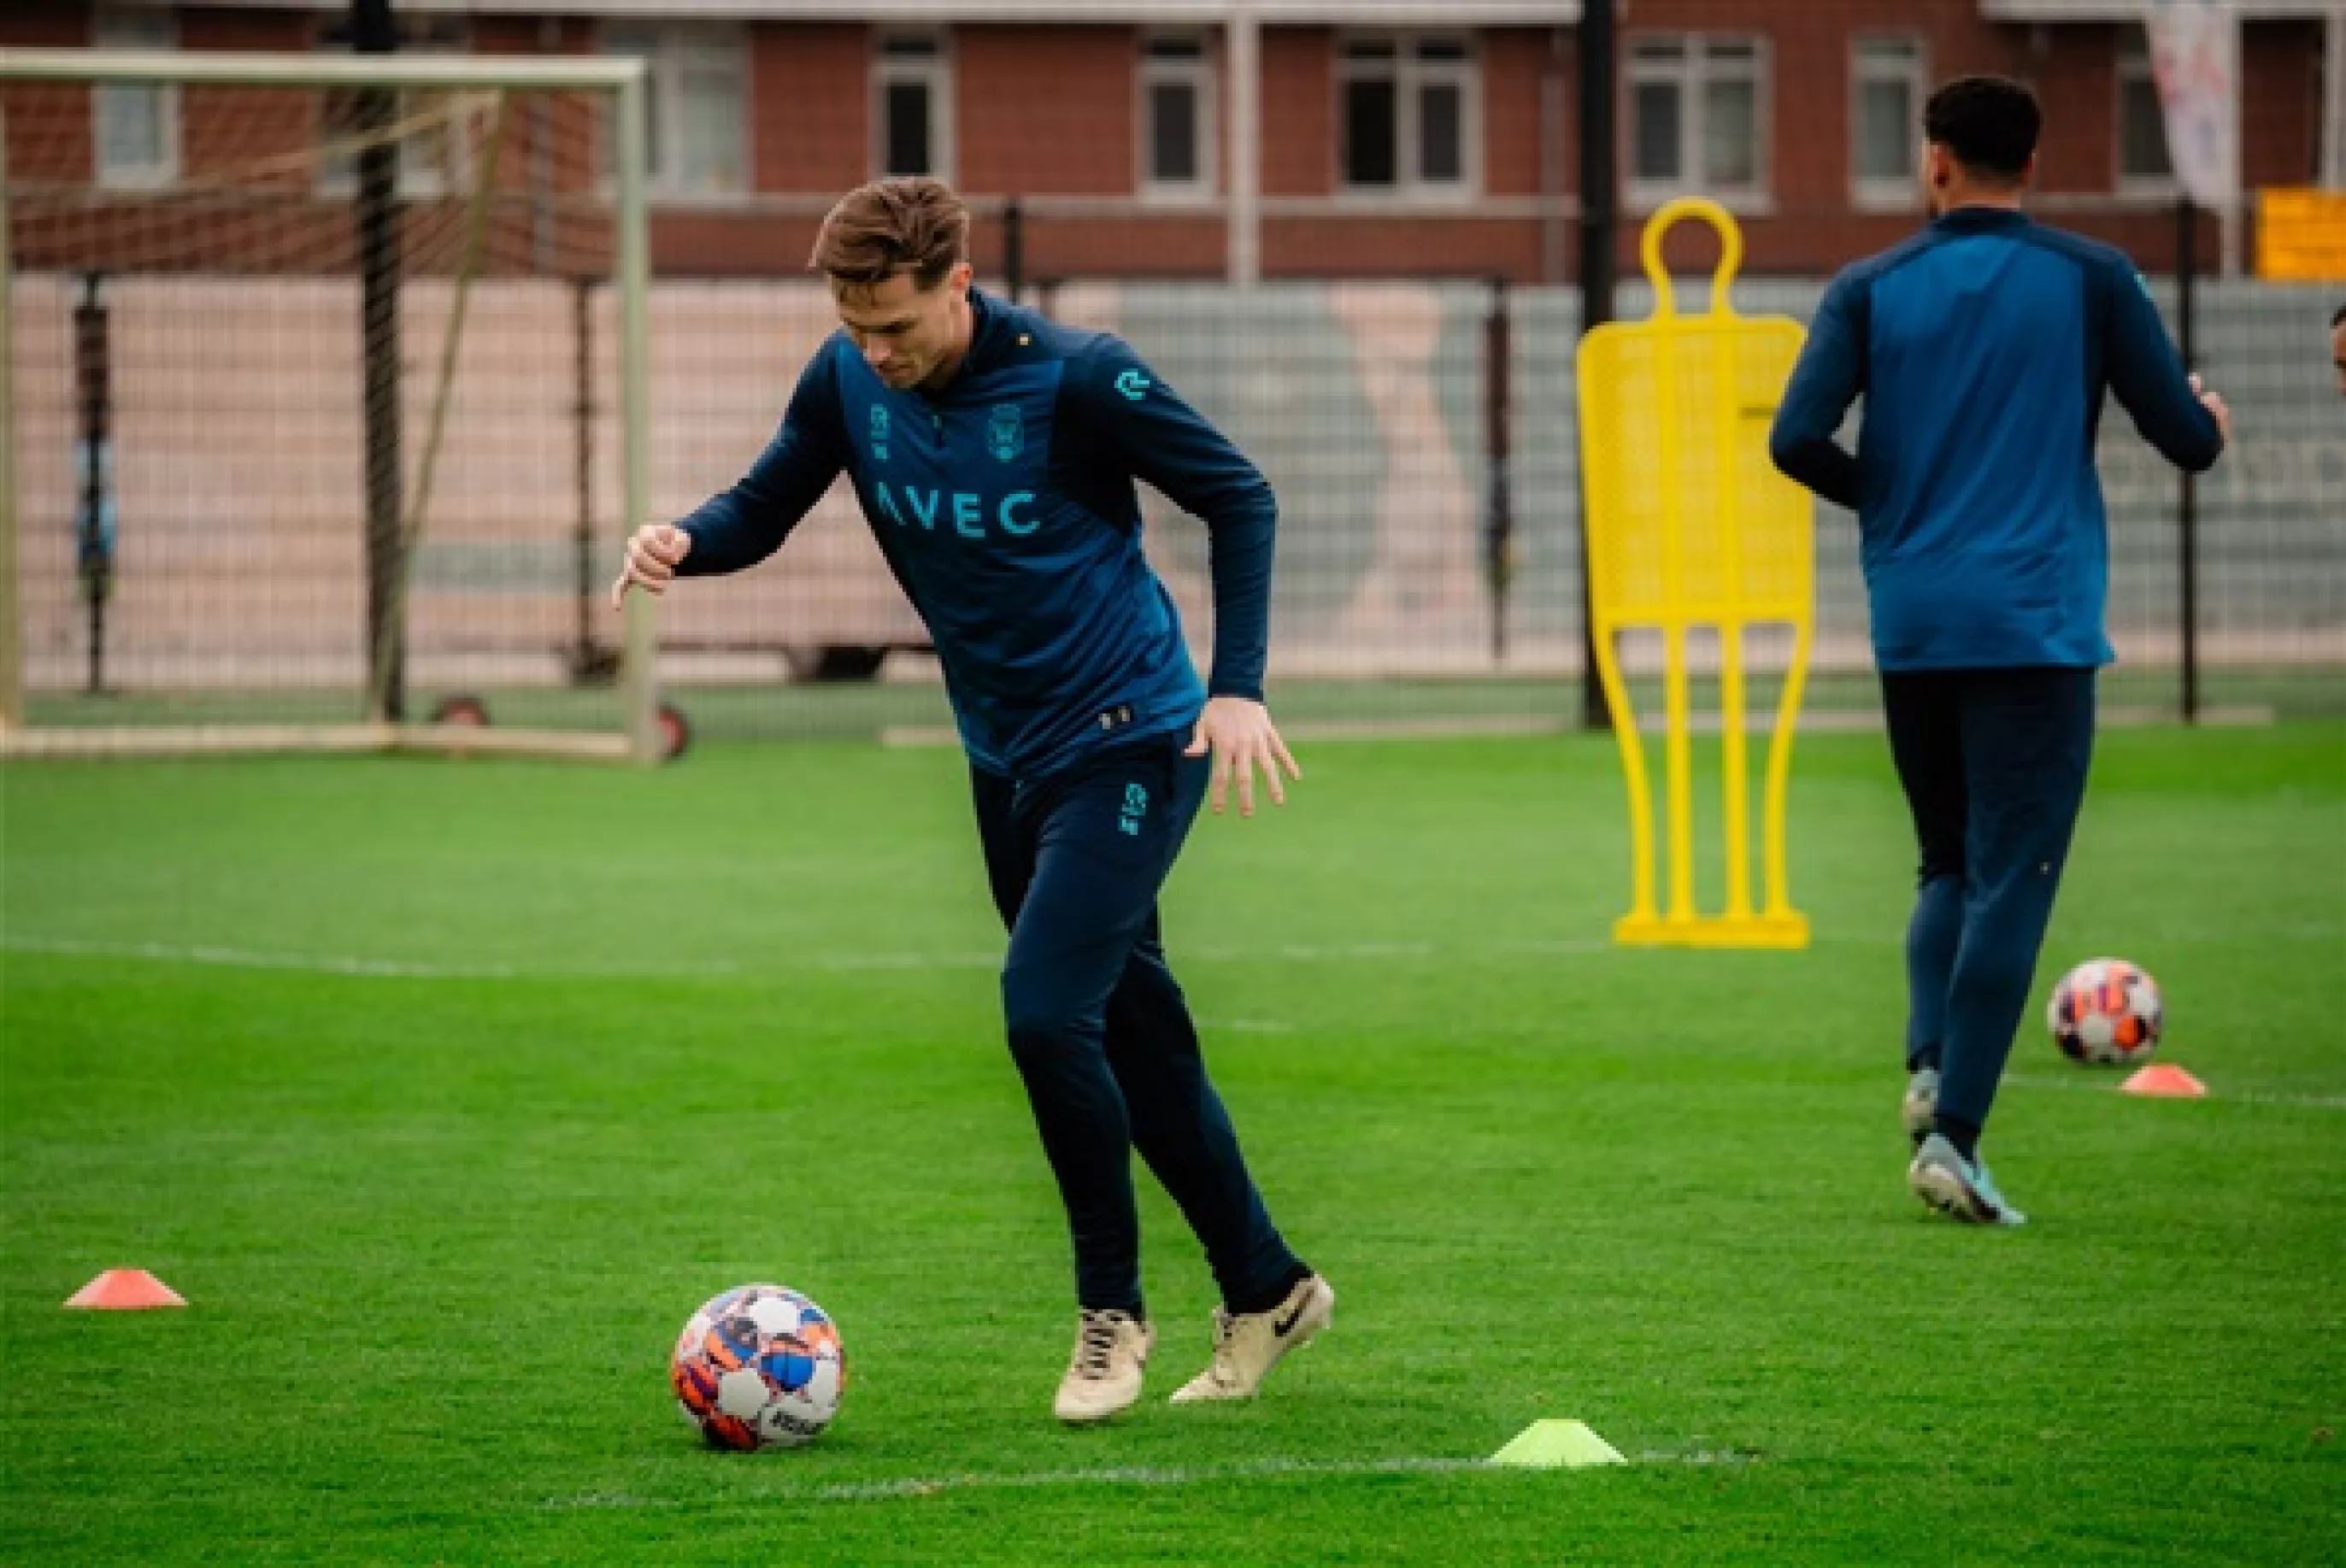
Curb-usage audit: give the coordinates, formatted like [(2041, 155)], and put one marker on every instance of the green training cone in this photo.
[(1557, 1445)]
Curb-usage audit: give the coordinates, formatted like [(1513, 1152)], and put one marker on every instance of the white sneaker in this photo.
[(1104, 1374), (1248, 1345)]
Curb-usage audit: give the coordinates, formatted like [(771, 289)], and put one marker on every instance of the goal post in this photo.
[(253, 305), (12, 668)]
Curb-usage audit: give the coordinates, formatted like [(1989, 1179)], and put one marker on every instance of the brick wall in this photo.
[(812, 129), (1046, 111), (1051, 113), (1298, 111)]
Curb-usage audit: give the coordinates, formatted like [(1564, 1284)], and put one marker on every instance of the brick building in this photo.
[(1396, 137)]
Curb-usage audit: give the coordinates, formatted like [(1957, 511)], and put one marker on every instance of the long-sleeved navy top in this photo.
[(1004, 505), (1983, 347)]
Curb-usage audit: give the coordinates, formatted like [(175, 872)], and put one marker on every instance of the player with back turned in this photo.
[(1983, 347), (994, 454)]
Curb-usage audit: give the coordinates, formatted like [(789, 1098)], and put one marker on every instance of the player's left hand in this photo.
[(1238, 732), (2215, 405)]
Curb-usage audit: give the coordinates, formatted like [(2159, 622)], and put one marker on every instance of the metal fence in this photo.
[(1378, 412)]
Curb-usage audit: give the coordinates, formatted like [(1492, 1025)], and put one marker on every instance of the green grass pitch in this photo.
[(445, 1091)]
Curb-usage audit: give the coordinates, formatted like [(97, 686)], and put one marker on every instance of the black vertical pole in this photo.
[(376, 217), (94, 531), (1599, 218), (1499, 520), (1013, 250), (2187, 280), (582, 413)]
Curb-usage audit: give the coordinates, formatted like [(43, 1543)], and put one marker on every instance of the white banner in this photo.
[(2195, 51)]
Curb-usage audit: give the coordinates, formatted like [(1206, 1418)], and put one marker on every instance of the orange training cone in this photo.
[(126, 1291), (2165, 1082)]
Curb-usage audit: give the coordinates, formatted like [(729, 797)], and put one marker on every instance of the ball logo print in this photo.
[(879, 434), (758, 1366)]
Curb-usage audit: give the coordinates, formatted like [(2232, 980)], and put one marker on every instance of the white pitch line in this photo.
[(400, 969), (842, 963), (1122, 1475), (783, 962), (1133, 1475), (393, 969), (328, 964), (240, 958)]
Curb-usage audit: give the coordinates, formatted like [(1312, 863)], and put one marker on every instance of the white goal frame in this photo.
[(623, 81)]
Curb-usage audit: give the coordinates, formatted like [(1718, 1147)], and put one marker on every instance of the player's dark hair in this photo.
[(909, 223), (2339, 320), (1990, 123)]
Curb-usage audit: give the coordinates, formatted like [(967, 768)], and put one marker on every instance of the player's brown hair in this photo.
[(907, 223)]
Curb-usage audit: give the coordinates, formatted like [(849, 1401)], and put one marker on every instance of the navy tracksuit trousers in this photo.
[(1994, 762), (1098, 1027)]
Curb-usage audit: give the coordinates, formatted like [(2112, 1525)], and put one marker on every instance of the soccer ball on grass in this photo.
[(758, 1366), (2107, 1012)]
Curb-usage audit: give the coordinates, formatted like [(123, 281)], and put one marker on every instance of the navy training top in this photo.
[(1983, 347), (1004, 503)]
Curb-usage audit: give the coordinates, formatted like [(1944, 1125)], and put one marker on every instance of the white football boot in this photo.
[(1957, 1187), (1248, 1345), (1104, 1374)]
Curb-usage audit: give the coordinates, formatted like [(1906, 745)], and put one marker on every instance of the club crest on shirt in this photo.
[(1005, 432), (879, 434)]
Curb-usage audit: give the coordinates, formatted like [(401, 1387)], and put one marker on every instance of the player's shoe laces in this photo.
[(1248, 1345), (1958, 1187), (1104, 1374), (1921, 1105)]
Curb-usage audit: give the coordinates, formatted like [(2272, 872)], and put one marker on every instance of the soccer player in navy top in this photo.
[(1983, 347), (994, 453)]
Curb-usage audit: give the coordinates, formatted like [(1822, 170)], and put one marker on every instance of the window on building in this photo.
[(435, 133), (696, 106), (1697, 118), (1410, 109), (1177, 118), (135, 129), (2143, 162), (1887, 86), (915, 120)]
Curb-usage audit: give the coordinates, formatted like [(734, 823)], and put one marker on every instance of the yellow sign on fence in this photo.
[(1690, 525), (2301, 236)]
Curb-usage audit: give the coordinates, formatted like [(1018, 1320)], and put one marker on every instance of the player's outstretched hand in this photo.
[(654, 552), (1238, 734), (2214, 404)]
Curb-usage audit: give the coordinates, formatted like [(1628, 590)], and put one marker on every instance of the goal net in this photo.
[(323, 403)]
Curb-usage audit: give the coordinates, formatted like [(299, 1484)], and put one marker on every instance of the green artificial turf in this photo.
[(445, 1091)]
